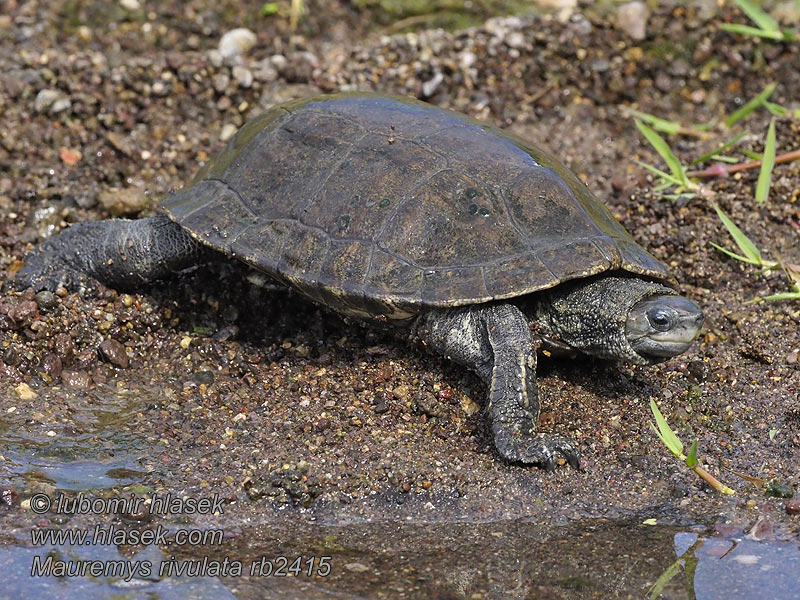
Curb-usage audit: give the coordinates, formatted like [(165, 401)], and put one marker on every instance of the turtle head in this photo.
[(618, 317), (663, 326)]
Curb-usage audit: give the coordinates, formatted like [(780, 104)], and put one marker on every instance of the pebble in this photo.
[(430, 86), (75, 379), (52, 101), (46, 300), (632, 19), (356, 567), (793, 507), (236, 42), (515, 39), (114, 352), (130, 4), (63, 346), (266, 71), (51, 364), (124, 201), (24, 392), (221, 82), (228, 131), (243, 76)]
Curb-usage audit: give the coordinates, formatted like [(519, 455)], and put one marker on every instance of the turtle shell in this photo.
[(382, 205)]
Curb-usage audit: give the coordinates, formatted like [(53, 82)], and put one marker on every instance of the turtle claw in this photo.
[(539, 449)]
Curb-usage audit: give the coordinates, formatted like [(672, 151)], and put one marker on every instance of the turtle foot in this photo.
[(538, 449), (49, 279)]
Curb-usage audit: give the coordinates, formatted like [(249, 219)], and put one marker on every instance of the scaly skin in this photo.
[(119, 253)]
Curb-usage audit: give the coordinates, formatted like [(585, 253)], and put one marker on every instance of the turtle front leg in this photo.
[(119, 253), (495, 342)]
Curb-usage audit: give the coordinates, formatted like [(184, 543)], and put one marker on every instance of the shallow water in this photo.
[(512, 559)]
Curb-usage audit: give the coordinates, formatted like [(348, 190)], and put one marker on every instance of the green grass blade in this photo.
[(768, 162), (663, 149), (775, 109), (666, 434), (727, 159), (738, 257), (719, 150), (665, 176), (764, 21), (752, 155), (747, 247), (781, 296), (747, 30), (750, 106), (691, 457), (669, 127)]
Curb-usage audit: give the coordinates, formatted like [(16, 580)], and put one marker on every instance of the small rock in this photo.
[(430, 86), (356, 567), (52, 101), (791, 358), (228, 131), (130, 4), (243, 76), (632, 19), (24, 392), (793, 507), (75, 379), (221, 82), (236, 42), (515, 39), (46, 300), (114, 352), (51, 365), (125, 201), (63, 346), (266, 71)]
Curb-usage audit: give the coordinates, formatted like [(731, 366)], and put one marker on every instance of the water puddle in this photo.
[(83, 441), (513, 559)]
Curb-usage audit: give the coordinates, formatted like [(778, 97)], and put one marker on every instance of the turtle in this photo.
[(390, 211)]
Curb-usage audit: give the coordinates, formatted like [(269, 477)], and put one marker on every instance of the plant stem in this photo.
[(720, 170)]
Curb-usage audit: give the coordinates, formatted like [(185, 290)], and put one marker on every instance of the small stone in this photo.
[(791, 358), (130, 4), (46, 300), (228, 131), (236, 42), (401, 391), (515, 39), (429, 87), (793, 507), (356, 567), (75, 379), (24, 392), (125, 201), (469, 406), (51, 365), (63, 346), (221, 82), (51, 101), (186, 341), (114, 352), (243, 76), (265, 71), (632, 19)]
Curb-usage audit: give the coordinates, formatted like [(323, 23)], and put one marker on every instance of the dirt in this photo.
[(207, 384)]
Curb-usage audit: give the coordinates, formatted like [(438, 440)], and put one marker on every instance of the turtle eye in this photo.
[(660, 319)]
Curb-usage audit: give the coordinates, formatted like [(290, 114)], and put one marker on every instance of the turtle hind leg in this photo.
[(495, 342), (119, 253)]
